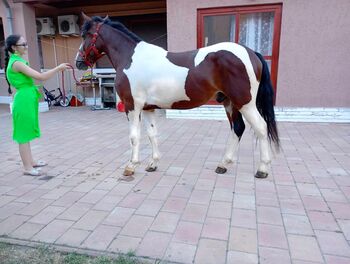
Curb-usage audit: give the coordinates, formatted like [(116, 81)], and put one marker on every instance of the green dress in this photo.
[(25, 107)]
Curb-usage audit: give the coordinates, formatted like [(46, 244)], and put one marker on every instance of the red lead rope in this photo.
[(75, 78)]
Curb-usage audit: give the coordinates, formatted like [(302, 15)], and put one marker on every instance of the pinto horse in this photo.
[(149, 77)]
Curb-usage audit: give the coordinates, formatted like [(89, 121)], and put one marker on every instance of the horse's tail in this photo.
[(264, 102)]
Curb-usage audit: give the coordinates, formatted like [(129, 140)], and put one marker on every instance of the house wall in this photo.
[(314, 57), (22, 16)]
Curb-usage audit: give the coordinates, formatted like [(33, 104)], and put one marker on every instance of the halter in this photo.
[(92, 48)]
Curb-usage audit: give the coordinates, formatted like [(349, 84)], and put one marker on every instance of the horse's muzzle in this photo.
[(81, 65)]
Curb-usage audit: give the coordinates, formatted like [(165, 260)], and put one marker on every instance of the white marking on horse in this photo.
[(78, 53), (155, 80)]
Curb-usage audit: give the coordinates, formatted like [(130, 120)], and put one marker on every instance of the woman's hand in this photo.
[(63, 66)]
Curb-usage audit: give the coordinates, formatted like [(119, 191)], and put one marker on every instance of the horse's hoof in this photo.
[(150, 169), (220, 170), (261, 175), (128, 172)]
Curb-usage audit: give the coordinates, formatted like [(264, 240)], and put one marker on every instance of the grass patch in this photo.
[(14, 254)]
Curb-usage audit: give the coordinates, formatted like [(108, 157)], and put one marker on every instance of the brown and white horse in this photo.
[(149, 77)]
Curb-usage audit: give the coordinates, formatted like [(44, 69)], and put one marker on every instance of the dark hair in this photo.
[(9, 42)]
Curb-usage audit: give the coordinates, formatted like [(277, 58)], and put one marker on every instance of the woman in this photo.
[(25, 106)]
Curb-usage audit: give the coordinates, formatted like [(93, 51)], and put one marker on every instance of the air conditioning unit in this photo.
[(44, 26), (68, 25)]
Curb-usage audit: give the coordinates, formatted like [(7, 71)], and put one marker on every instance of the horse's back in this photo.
[(189, 79)]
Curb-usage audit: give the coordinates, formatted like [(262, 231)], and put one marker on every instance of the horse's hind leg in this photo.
[(134, 135), (237, 129), (150, 122), (257, 122)]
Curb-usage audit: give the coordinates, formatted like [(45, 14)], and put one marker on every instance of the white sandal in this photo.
[(32, 172), (39, 163)]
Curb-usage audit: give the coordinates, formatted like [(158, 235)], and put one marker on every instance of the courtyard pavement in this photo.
[(184, 212)]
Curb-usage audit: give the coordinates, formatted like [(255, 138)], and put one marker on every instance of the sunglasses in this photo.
[(25, 44)]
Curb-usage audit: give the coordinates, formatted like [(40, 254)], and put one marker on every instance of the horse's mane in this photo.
[(114, 24)]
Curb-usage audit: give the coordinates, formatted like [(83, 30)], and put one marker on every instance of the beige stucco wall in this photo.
[(314, 57), (22, 16)]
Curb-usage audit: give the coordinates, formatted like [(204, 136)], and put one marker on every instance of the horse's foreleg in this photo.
[(134, 136), (237, 129), (257, 122), (150, 122)]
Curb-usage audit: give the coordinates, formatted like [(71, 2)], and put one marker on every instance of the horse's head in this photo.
[(91, 49)]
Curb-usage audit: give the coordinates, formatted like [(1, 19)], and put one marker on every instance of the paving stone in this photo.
[(101, 237), (273, 256), (184, 212), (137, 226), (154, 245), (165, 222), (124, 244), (211, 251), (27, 230), (11, 223), (187, 232), (304, 248), (234, 257), (333, 243), (181, 253), (272, 236), (73, 237), (51, 232), (243, 239)]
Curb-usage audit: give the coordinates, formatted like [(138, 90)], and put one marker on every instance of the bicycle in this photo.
[(51, 98)]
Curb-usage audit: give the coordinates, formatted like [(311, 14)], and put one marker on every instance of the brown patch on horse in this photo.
[(150, 107), (220, 71), (200, 84), (123, 89), (183, 59)]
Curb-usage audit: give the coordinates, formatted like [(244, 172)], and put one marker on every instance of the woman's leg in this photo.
[(26, 156)]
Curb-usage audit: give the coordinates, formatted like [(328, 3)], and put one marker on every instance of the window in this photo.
[(257, 27)]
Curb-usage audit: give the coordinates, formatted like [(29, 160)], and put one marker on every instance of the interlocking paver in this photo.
[(272, 236), (216, 228), (274, 256), (73, 237), (195, 212), (333, 243), (90, 220), (184, 212), (165, 222), (101, 237), (27, 230), (304, 248), (243, 239), (11, 223), (125, 244), (187, 232), (181, 253), (51, 232), (211, 251), (137, 226), (154, 245), (297, 224)]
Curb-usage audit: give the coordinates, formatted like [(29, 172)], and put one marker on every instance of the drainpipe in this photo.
[(9, 16)]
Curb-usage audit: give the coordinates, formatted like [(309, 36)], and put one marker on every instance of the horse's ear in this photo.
[(85, 17), (107, 17)]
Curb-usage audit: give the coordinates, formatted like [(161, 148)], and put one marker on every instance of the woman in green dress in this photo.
[(25, 105)]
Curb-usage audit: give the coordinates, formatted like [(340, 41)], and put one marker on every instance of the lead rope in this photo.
[(76, 81)]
